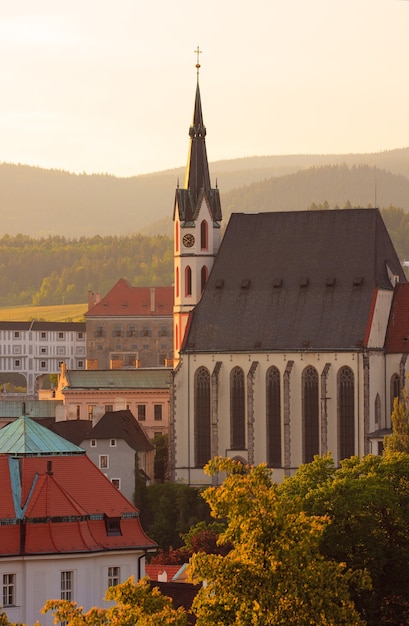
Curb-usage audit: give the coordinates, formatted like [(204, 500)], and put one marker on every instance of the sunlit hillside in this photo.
[(58, 313)]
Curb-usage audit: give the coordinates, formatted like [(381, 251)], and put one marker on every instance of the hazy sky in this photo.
[(108, 86)]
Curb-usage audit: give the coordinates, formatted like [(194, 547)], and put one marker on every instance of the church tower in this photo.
[(197, 215)]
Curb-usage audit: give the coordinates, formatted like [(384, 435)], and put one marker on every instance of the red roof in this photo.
[(66, 505), (397, 336), (153, 571), (125, 300)]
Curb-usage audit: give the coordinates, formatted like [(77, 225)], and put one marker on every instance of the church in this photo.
[(291, 333)]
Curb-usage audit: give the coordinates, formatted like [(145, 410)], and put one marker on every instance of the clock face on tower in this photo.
[(188, 240)]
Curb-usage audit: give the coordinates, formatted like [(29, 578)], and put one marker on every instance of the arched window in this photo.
[(177, 342), (188, 281), (204, 235), (395, 388), (310, 414), (378, 412), (237, 410), (177, 236), (346, 413), (203, 277), (202, 417), (273, 417), (177, 283)]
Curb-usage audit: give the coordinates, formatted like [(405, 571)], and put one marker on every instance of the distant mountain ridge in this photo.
[(39, 202)]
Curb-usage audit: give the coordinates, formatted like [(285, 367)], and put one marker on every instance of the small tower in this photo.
[(197, 215)]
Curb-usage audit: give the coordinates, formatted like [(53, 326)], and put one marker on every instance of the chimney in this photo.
[(152, 299), (49, 468)]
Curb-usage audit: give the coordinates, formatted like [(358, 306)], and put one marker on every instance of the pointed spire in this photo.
[(197, 169)]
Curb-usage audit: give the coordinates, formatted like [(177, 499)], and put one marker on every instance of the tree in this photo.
[(399, 440), (274, 574), (137, 605), (367, 503)]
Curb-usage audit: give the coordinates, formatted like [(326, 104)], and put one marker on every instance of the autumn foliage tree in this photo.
[(274, 574)]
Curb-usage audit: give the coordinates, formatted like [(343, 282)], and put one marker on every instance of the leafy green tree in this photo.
[(398, 441), (275, 573), (135, 605), (367, 503)]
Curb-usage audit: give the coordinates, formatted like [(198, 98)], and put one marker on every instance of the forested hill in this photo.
[(39, 202), (56, 270)]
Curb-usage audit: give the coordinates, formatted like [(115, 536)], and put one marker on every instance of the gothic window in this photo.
[(188, 281), (177, 283), (273, 417), (237, 410), (377, 410), (177, 236), (346, 413), (202, 417), (203, 277), (203, 235), (395, 388), (310, 413)]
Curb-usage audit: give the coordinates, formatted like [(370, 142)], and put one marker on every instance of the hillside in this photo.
[(39, 202)]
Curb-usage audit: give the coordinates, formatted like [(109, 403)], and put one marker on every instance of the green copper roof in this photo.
[(25, 437)]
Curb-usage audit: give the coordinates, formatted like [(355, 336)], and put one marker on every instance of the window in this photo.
[(188, 281), (141, 412), (16, 334), (99, 331), (67, 582), (9, 589), (157, 412), (43, 365), (80, 364), (202, 416), (395, 389), (103, 461), (43, 335), (117, 332), (114, 577), (80, 335), (273, 417), (112, 443), (60, 335), (90, 411), (310, 413), (116, 482), (203, 235), (109, 408), (237, 410), (203, 277), (78, 411), (346, 413), (146, 332), (113, 526), (131, 331), (17, 363), (93, 443), (43, 350)]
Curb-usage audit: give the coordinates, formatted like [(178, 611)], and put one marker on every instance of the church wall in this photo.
[(292, 437)]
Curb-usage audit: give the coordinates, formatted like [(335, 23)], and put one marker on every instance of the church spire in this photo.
[(197, 169), (197, 178)]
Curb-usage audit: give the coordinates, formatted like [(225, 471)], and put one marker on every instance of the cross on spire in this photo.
[(197, 52)]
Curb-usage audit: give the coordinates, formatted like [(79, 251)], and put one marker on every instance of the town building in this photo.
[(65, 530), (89, 394), (117, 444), (130, 327), (34, 349), (283, 337)]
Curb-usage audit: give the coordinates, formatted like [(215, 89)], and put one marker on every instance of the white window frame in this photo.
[(67, 585), (9, 590), (101, 464)]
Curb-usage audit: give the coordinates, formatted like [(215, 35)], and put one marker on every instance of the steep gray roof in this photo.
[(121, 425), (294, 281)]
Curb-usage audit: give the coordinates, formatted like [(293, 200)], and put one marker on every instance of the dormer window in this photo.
[(113, 526)]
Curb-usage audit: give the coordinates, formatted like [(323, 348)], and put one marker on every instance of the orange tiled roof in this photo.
[(154, 571), (125, 300), (62, 503)]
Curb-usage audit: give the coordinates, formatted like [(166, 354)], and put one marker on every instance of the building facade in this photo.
[(34, 349), (130, 327)]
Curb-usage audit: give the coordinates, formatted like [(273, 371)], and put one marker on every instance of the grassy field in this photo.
[(58, 313)]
